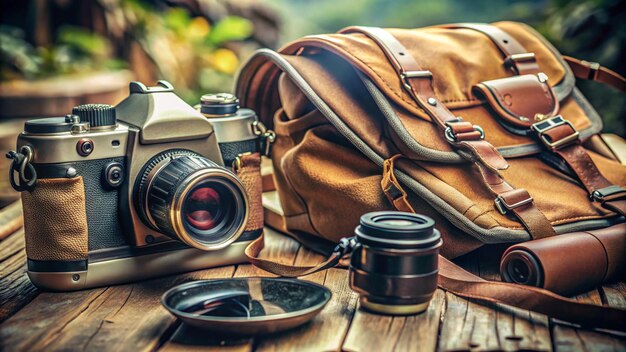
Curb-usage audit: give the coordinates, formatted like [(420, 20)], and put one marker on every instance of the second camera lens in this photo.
[(395, 265)]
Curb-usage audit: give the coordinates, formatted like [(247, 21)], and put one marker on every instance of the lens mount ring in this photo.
[(145, 182), (222, 176)]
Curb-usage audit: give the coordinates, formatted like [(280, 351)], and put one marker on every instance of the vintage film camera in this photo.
[(118, 194)]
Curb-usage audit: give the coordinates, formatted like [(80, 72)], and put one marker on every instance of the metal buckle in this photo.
[(504, 207), (346, 246), (267, 136), (451, 137), (594, 68), (543, 126), (237, 161), (599, 194), (515, 58), (413, 74)]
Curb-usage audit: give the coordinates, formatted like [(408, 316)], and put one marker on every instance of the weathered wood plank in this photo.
[(517, 329), (125, 317), (16, 290), (188, 338), (374, 332), (566, 338), (468, 325), (327, 331), (11, 219)]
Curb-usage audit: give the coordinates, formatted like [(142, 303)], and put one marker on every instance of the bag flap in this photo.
[(459, 59)]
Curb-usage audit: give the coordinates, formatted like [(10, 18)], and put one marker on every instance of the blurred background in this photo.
[(55, 54)]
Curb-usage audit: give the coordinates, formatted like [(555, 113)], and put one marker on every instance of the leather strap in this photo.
[(248, 169), (516, 58), (253, 250), (519, 202), (509, 199), (418, 82), (461, 134), (462, 283), (392, 188), (570, 150), (590, 177), (593, 71)]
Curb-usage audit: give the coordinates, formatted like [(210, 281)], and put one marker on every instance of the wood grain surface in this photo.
[(130, 317)]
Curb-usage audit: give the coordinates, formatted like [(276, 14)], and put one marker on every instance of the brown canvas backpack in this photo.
[(478, 126)]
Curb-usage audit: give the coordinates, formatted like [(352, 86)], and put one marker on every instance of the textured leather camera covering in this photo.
[(55, 221), (230, 150), (250, 175), (102, 201), (103, 215)]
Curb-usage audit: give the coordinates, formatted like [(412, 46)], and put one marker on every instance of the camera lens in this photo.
[(192, 199), (207, 211), (395, 266), (203, 208)]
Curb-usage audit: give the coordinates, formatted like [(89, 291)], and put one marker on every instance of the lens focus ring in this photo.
[(192, 199)]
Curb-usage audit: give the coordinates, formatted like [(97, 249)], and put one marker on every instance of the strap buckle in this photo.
[(599, 195), (267, 137), (452, 137), (504, 207), (594, 68), (544, 126), (345, 246), (237, 163), (404, 75), (512, 60), (21, 164)]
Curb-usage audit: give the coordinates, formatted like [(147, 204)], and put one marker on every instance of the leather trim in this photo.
[(534, 148), (518, 99)]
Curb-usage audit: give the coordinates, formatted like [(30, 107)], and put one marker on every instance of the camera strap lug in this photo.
[(267, 136), (21, 164)]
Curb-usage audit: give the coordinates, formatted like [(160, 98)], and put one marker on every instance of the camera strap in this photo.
[(253, 251), (456, 280), (247, 167)]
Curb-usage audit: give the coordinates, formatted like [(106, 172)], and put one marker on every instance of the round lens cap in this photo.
[(246, 306)]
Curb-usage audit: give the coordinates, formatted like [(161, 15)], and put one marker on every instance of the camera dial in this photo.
[(98, 115), (221, 104)]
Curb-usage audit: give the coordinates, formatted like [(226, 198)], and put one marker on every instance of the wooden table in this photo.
[(130, 317)]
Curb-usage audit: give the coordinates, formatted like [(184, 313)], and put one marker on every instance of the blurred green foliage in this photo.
[(188, 51), (75, 50)]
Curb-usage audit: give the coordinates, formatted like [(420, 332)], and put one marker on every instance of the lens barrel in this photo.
[(192, 199), (395, 265)]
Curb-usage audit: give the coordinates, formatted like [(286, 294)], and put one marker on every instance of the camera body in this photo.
[(128, 193)]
